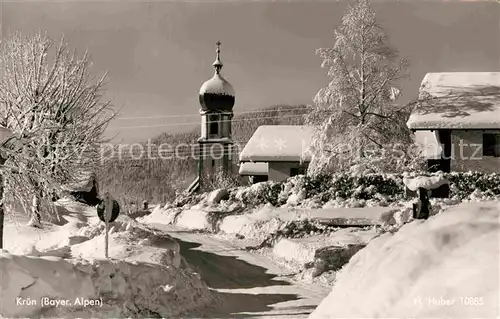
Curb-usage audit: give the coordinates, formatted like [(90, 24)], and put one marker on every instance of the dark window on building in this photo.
[(445, 139), (259, 178), (491, 145), (213, 125), (213, 163), (294, 171)]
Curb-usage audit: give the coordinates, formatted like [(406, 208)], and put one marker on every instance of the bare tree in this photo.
[(56, 111), (356, 114)]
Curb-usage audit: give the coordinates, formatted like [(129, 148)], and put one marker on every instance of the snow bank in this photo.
[(256, 224), (302, 250), (161, 216), (261, 222), (134, 245), (25, 279), (144, 277), (194, 219), (122, 223), (115, 288), (426, 182), (129, 240), (446, 267), (20, 238)]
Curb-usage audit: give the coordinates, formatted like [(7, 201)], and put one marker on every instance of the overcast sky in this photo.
[(158, 54)]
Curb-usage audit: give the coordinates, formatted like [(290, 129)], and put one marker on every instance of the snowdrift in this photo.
[(133, 245), (259, 222), (304, 250), (145, 276), (446, 267), (104, 287)]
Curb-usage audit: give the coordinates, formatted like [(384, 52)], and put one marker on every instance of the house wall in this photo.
[(280, 171), (467, 152)]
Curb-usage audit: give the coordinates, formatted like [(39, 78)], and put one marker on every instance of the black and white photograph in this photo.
[(250, 159)]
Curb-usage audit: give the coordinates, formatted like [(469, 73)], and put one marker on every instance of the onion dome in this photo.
[(217, 94)]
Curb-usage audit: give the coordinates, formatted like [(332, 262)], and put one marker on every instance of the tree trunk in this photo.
[(36, 220), (2, 207), (2, 212)]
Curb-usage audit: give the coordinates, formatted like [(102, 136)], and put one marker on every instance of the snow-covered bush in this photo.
[(390, 186), (463, 185), (260, 193), (318, 185), (350, 188), (366, 187)]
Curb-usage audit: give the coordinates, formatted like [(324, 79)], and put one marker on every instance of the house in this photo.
[(457, 121), (283, 147)]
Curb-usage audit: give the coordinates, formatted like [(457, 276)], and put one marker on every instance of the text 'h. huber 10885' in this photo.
[(215, 144)]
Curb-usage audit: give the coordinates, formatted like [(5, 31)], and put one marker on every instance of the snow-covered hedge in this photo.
[(266, 192), (353, 188), (464, 185)]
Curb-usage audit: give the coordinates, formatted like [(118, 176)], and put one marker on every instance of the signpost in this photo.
[(107, 210)]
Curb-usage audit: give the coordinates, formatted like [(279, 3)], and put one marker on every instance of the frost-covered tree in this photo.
[(55, 109), (356, 114)]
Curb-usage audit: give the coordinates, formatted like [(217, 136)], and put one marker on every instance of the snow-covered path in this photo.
[(249, 285)]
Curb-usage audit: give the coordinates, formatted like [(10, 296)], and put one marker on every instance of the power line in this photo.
[(163, 155), (194, 123), (299, 107), (193, 149), (179, 155)]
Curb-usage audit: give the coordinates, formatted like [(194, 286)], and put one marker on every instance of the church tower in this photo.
[(215, 143)]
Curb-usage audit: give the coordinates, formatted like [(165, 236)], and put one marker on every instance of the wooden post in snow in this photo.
[(108, 211), (106, 241)]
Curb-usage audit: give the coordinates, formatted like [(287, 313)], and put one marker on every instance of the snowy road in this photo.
[(249, 285)]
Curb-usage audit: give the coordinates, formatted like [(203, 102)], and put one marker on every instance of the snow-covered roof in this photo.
[(278, 143), (458, 100), (84, 181), (254, 169), (217, 85)]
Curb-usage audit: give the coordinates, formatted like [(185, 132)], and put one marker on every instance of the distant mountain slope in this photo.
[(156, 180)]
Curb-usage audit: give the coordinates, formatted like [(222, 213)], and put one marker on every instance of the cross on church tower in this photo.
[(218, 64)]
